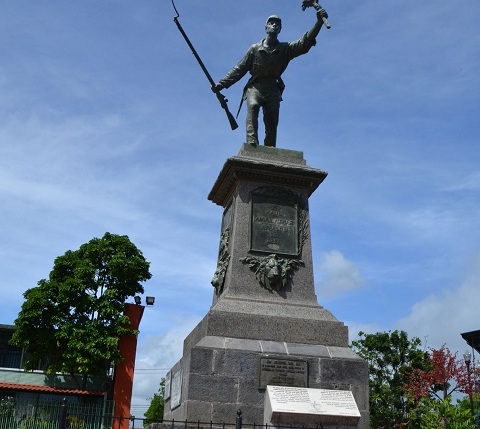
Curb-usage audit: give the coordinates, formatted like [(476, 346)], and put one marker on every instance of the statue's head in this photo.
[(274, 19)]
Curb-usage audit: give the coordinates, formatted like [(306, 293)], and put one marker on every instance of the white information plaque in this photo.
[(297, 405)]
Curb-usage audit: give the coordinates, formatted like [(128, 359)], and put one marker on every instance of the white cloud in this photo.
[(469, 182), (337, 274), (354, 328), (156, 355), (440, 318)]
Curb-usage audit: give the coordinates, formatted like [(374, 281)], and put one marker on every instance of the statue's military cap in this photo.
[(274, 18)]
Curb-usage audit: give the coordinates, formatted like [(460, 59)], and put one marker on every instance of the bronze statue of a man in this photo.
[(266, 61)]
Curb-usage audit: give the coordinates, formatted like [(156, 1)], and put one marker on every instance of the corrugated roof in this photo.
[(49, 389)]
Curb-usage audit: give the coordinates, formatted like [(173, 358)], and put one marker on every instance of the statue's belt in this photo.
[(268, 79), (264, 79)]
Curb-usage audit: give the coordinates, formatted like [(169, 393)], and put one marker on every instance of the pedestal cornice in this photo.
[(268, 166)]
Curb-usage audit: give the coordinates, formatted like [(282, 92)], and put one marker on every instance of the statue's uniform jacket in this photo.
[(265, 86), (265, 63)]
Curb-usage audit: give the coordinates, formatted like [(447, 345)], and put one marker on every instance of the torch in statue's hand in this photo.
[(320, 11)]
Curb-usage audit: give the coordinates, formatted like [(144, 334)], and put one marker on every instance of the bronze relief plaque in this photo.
[(274, 224)]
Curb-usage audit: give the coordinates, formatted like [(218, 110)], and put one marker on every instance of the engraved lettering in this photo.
[(274, 225), (283, 372)]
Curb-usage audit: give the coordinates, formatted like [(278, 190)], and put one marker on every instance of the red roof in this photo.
[(49, 389)]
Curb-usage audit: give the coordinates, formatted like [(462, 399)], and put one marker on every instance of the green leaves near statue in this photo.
[(71, 322)]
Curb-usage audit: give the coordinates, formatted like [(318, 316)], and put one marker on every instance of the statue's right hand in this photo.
[(217, 87), (322, 13)]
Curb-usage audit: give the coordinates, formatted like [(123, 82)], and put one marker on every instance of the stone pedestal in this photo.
[(265, 325)]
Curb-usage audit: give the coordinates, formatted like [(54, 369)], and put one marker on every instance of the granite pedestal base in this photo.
[(265, 326), (222, 375)]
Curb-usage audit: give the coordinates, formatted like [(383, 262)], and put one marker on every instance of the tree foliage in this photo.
[(71, 322), (154, 414), (390, 357), (445, 374), (431, 389), (443, 414)]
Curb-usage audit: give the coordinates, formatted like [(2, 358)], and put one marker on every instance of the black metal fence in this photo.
[(54, 414), (175, 424), (63, 415)]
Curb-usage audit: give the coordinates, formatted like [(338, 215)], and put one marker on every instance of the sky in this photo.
[(107, 123)]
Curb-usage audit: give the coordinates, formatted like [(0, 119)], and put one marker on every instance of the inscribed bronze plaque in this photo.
[(283, 372), (274, 225)]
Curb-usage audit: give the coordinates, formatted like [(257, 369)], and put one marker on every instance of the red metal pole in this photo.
[(124, 371)]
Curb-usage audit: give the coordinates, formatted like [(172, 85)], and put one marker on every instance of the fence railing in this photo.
[(61, 415), (49, 415), (177, 424)]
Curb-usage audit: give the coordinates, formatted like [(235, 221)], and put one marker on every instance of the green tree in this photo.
[(71, 322), (390, 357), (441, 413), (154, 414)]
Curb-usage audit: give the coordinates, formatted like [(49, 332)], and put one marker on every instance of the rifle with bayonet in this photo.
[(221, 98)]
